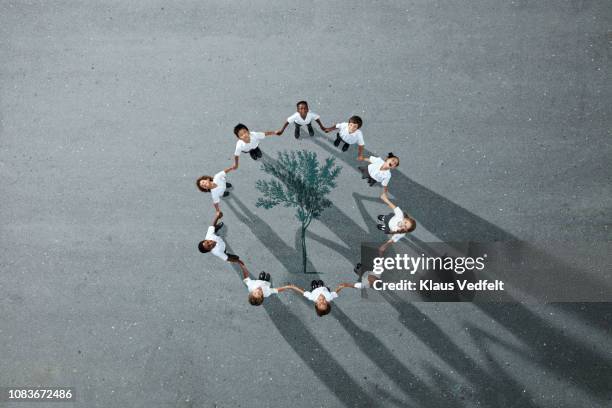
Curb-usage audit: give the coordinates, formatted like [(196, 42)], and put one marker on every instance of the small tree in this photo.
[(301, 182)]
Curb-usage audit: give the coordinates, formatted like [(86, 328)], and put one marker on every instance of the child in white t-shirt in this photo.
[(260, 288), (397, 224), (302, 117), (321, 295), (248, 142), (216, 186), (349, 133), (379, 170), (214, 244)]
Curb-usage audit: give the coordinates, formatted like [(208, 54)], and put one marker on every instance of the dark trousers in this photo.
[(365, 174), (385, 222), (256, 153)]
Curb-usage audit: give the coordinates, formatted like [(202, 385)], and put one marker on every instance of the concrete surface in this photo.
[(109, 111)]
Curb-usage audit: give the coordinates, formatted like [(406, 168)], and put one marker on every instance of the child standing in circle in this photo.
[(214, 244), (321, 295), (260, 288), (248, 142), (302, 117), (397, 224), (216, 186), (349, 133), (379, 170)]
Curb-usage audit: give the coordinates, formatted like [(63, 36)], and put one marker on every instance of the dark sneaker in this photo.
[(297, 132), (338, 140), (345, 147), (371, 182), (219, 226), (381, 218), (310, 130), (228, 185), (225, 193)]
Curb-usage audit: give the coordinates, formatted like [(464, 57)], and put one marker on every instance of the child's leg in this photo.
[(364, 172), (345, 147), (218, 226), (253, 154), (232, 257), (258, 153), (338, 140), (297, 131), (310, 129)]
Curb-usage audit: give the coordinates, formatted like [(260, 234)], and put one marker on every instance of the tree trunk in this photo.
[(304, 255)]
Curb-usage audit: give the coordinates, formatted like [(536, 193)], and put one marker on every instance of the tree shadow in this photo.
[(285, 254)]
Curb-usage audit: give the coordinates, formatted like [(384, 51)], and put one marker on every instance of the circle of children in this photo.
[(396, 224)]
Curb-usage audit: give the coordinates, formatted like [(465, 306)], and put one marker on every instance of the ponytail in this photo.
[(392, 156)]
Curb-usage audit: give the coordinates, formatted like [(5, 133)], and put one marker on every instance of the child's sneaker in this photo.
[(297, 131), (345, 147)]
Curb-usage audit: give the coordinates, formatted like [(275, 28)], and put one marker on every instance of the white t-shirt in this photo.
[(242, 147), (296, 118), (253, 284), (217, 192), (219, 249), (382, 176), (350, 138), (394, 223), (329, 296)]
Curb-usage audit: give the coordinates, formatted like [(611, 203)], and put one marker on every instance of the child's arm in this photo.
[(229, 169), (218, 215), (331, 128), (360, 157), (292, 287), (384, 247), (281, 130), (245, 271), (385, 189), (360, 152), (323, 128), (284, 288), (236, 160), (270, 133), (344, 285), (386, 200)]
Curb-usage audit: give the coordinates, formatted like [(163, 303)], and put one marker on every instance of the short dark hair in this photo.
[(297, 105), (204, 190), (201, 247), (392, 156), (255, 300), (239, 127), (412, 221), (323, 311), (356, 119)]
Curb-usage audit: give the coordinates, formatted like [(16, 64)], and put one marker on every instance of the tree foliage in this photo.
[(300, 181)]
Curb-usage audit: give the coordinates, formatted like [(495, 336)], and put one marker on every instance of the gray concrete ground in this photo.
[(109, 111)]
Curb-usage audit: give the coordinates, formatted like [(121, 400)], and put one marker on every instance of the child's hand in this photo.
[(360, 158), (278, 132)]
